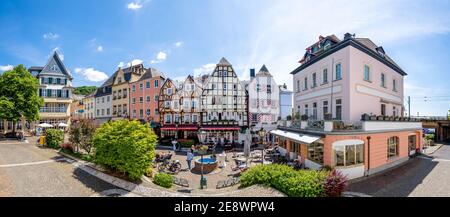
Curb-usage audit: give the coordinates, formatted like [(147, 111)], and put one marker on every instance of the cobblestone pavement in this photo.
[(27, 170), (420, 177), (212, 178)]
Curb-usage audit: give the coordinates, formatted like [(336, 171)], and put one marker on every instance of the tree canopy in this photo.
[(84, 90), (19, 95)]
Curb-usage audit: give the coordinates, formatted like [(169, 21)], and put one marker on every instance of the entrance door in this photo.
[(412, 145)]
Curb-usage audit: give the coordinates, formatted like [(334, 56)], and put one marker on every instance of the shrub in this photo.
[(80, 134), (163, 179), (303, 183), (186, 143), (125, 146), (68, 147), (54, 137), (335, 184)]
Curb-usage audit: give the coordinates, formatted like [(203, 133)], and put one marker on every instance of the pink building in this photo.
[(144, 97), (348, 95)]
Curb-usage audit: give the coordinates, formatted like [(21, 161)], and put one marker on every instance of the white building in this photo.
[(264, 105), (103, 103), (224, 106), (285, 101)]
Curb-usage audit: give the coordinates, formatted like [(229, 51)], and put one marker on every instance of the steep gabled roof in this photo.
[(224, 62), (54, 59), (263, 71)]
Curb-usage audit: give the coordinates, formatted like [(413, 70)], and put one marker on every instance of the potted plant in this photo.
[(327, 116), (373, 117), (304, 117), (202, 149), (380, 118), (397, 118), (289, 117), (364, 117)]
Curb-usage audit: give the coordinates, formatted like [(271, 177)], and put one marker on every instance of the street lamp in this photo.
[(262, 134)]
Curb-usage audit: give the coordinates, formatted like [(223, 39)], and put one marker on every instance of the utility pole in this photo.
[(409, 106)]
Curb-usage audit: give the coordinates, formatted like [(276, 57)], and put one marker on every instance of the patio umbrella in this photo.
[(62, 125), (45, 125)]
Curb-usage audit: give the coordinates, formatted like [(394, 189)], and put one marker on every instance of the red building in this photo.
[(144, 96)]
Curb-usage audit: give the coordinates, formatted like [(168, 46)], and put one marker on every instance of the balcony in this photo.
[(367, 123), (53, 110)]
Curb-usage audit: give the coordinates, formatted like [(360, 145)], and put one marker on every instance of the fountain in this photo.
[(209, 164)]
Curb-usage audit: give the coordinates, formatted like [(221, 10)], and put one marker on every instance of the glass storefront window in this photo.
[(315, 152), (348, 155)]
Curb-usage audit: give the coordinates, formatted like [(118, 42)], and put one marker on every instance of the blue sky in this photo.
[(181, 37)]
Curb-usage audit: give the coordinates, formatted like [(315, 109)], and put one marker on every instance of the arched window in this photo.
[(392, 147)]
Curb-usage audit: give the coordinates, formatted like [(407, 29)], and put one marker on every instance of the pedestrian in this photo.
[(174, 145), (189, 157)]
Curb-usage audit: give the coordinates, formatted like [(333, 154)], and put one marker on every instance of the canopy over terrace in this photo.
[(298, 137)]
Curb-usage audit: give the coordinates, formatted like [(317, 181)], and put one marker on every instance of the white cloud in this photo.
[(160, 57), (178, 44), (91, 74), (50, 36), (121, 65), (205, 69), (136, 5), (281, 40), (6, 68), (99, 48)]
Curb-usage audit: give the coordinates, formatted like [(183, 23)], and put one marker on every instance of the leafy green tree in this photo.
[(81, 133), (19, 95), (54, 138), (125, 146), (85, 90)]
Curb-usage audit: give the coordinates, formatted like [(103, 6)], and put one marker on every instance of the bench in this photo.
[(181, 182), (228, 182)]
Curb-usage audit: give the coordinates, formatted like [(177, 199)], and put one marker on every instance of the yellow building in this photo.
[(121, 90)]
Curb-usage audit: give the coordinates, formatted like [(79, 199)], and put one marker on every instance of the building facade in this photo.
[(89, 106), (55, 87), (120, 90), (169, 109), (144, 96), (103, 103), (285, 102), (349, 94), (264, 103), (224, 106)]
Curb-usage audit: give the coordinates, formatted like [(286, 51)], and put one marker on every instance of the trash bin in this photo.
[(42, 140)]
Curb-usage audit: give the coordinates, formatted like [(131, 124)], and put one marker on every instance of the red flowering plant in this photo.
[(335, 183)]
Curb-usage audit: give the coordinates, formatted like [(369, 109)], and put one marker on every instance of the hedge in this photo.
[(303, 183), (125, 146), (163, 179), (54, 137)]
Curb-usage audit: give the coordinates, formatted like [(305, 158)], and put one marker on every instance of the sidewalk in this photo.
[(431, 149)]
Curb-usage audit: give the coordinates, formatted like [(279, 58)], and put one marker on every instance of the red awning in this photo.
[(222, 128), (180, 128)]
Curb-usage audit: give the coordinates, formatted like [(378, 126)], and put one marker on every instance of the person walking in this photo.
[(174, 145), (189, 157)]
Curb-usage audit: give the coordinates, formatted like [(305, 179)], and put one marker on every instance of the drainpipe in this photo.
[(368, 155)]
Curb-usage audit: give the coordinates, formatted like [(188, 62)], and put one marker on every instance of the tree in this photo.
[(85, 90), (19, 96), (125, 146), (81, 133)]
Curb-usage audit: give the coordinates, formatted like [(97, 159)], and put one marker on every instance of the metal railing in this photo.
[(53, 110)]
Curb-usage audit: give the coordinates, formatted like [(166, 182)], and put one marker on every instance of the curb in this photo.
[(440, 146), (354, 194)]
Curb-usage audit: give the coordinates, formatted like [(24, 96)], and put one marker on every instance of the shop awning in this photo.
[(299, 137), (221, 128), (180, 128)]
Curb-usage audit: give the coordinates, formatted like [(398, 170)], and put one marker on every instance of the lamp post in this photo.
[(262, 134)]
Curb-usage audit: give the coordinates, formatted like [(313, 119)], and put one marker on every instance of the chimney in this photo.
[(348, 36), (252, 73)]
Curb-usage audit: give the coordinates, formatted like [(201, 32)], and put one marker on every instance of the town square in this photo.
[(215, 99)]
